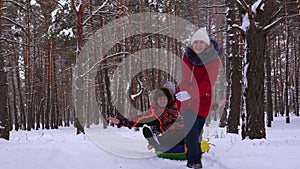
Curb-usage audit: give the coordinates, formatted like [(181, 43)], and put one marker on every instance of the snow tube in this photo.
[(178, 152)]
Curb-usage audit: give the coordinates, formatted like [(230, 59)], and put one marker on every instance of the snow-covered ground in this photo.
[(53, 149)]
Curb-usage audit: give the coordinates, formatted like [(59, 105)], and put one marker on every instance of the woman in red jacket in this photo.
[(199, 73)]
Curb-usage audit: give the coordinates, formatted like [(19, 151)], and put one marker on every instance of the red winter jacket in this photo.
[(198, 79)]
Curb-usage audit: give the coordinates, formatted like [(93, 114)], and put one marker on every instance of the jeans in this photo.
[(193, 125)]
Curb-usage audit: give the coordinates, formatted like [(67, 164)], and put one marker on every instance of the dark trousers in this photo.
[(165, 140), (193, 126), (171, 139)]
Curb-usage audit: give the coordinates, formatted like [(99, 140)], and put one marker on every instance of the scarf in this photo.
[(207, 56)]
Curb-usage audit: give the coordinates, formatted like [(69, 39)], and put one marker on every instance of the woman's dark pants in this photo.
[(193, 126)]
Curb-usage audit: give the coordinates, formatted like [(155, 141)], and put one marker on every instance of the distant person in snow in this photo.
[(165, 121)]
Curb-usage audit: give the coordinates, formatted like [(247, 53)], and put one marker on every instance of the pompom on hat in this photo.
[(201, 34)]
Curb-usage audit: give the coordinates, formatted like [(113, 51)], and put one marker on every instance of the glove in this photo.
[(182, 96)]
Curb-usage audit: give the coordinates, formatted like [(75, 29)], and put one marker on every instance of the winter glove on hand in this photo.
[(182, 96), (113, 120)]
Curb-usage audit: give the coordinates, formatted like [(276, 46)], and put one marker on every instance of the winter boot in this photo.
[(190, 164), (148, 134), (197, 165)]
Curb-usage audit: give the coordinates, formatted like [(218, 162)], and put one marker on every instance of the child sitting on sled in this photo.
[(164, 124)]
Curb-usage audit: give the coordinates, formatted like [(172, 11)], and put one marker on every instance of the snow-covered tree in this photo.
[(258, 17)]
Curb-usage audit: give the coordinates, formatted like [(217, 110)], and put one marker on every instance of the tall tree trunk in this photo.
[(16, 117), (28, 84), (79, 18), (100, 97), (107, 91), (235, 71), (287, 72), (55, 107), (48, 89), (142, 47), (79, 12), (14, 91), (281, 82), (269, 85), (275, 79), (4, 127), (297, 64), (21, 98), (255, 125), (297, 74)]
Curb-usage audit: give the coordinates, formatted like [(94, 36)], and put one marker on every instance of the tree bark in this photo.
[(254, 124), (269, 89), (4, 127), (28, 95), (235, 71), (287, 69)]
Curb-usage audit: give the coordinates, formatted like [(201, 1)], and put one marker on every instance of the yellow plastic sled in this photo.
[(178, 152)]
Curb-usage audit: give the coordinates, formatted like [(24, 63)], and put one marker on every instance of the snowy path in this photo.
[(53, 149)]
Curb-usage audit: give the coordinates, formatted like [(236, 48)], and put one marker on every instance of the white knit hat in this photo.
[(201, 34)]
